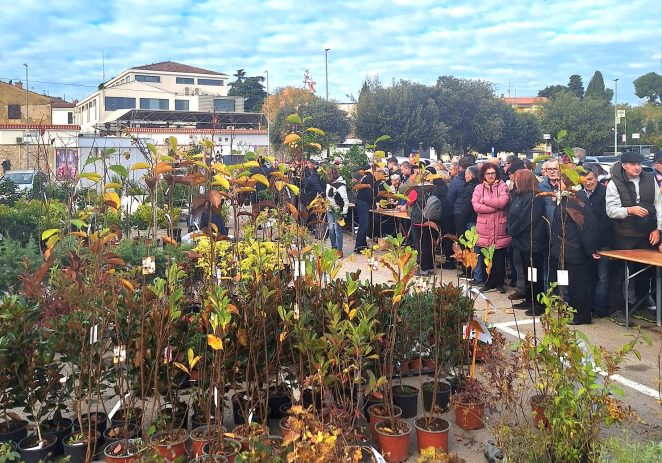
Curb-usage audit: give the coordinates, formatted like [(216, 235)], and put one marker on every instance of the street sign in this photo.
[(624, 138), (635, 136), (620, 113), (547, 136)]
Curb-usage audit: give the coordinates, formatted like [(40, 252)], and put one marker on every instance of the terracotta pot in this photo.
[(284, 430), (232, 449), (374, 417), (415, 364), (537, 402), (199, 437), (209, 459), (470, 416), (394, 446), (428, 363), (175, 446), (432, 432), (122, 451)]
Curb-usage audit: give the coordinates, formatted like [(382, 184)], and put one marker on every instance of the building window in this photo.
[(153, 103), (223, 106), (70, 117), (217, 82), (142, 78), (185, 80), (117, 102), (181, 105), (14, 111)]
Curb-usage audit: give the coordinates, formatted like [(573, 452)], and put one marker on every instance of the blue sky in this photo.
[(521, 45)]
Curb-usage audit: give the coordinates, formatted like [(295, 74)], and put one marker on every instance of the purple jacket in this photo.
[(491, 205)]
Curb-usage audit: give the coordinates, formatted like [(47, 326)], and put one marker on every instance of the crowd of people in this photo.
[(543, 227)]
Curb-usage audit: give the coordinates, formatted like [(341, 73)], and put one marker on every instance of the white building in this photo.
[(166, 86)]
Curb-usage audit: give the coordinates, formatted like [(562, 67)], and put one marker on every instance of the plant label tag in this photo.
[(562, 277), (119, 354), (149, 265), (296, 311), (378, 456), (94, 334), (219, 275), (533, 274), (167, 354), (250, 415), (484, 335), (299, 268), (216, 397)]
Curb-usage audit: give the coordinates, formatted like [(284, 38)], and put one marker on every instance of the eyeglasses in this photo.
[(490, 173)]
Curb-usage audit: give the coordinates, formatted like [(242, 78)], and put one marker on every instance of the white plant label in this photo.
[(533, 274), (94, 334), (149, 266), (167, 354), (562, 277), (296, 311), (299, 268), (215, 396), (119, 354)]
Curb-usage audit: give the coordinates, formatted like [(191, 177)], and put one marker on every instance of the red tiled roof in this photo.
[(524, 100), (37, 126), (171, 66), (57, 102)]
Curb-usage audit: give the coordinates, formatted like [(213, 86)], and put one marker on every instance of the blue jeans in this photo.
[(335, 232), (601, 299)]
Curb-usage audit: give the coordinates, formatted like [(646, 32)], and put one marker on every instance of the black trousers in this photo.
[(534, 260), (642, 282), (423, 237), (581, 287), (498, 272), (363, 215)]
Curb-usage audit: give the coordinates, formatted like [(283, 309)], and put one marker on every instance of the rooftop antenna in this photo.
[(103, 67)]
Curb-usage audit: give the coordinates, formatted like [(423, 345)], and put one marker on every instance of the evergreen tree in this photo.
[(596, 88), (576, 85)]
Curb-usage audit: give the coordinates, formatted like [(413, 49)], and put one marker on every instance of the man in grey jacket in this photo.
[(634, 203)]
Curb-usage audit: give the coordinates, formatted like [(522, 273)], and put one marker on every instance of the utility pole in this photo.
[(326, 71), (268, 120), (616, 117), (27, 117)]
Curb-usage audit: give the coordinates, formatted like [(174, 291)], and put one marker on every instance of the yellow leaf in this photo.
[(202, 165), (282, 336), (181, 367), (249, 164), (140, 165), (220, 180), (218, 167), (351, 314), (127, 284), (80, 234), (108, 186), (233, 309), (112, 200), (294, 188), (91, 176), (279, 185), (261, 178), (48, 233), (214, 342), (162, 168), (291, 138), (379, 154), (397, 298)]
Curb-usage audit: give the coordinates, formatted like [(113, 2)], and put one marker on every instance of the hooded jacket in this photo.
[(336, 193)]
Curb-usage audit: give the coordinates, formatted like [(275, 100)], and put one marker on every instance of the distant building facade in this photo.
[(526, 104)]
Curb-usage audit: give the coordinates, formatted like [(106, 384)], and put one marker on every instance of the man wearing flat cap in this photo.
[(634, 203), (657, 166)]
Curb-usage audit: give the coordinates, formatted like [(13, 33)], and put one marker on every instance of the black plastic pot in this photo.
[(457, 384), (277, 398), (178, 416), (16, 431), (77, 453), (199, 419), (309, 398), (30, 454), (135, 417), (443, 395), (118, 433), (60, 428), (99, 422), (238, 404), (285, 409), (406, 397)]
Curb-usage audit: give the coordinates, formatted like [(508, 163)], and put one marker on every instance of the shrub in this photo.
[(28, 218), (12, 257)]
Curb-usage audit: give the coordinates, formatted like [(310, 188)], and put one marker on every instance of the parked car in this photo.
[(24, 179)]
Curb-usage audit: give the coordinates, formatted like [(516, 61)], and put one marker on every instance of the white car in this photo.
[(24, 179)]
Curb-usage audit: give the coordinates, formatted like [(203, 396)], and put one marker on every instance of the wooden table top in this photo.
[(391, 213), (641, 256)]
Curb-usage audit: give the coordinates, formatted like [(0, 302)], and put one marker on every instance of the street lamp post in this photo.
[(616, 117), (27, 117), (268, 121), (326, 71)]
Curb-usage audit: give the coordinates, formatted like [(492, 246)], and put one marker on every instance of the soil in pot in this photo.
[(359, 434), (470, 416), (228, 448), (367, 402), (244, 433), (133, 415), (394, 439), (377, 413), (406, 397), (13, 430), (278, 396), (32, 451), (98, 421), (537, 402), (200, 436), (76, 446), (118, 433), (432, 432), (209, 459), (358, 454), (61, 428), (443, 395), (170, 445), (122, 451)]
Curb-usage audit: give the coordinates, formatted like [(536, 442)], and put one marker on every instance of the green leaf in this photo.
[(561, 135), (109, 152), (250, 156), (119, 170), (294, 119), (91, 160), (80, 224), (92, 176), (152, 148), (48, 233), (382, 138), (542, 158)]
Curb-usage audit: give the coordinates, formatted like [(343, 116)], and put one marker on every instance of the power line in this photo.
[(51, 83)]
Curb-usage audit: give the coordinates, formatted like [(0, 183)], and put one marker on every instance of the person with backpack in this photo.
[(424, 207), (490, 201), (336, 193)]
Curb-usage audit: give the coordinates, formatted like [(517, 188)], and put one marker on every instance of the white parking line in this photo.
[(506, 327)]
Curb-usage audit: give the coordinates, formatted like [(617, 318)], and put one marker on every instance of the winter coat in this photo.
[(336, 193), (441, 192), (366, 194), (490, 203), (521, 218), (312, 185), (550, 203), (597, 203), (464, 196), (580, 242), (454, 188)]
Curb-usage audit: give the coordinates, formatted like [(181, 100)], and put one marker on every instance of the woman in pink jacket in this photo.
[(490, 201)]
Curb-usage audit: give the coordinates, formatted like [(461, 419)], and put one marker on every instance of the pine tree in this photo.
[(576, 85), (596, 88)]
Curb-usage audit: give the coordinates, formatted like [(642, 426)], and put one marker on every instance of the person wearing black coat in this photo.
[(528, 231), (362, 204), (466, 215), (574, 244), (311, 183)]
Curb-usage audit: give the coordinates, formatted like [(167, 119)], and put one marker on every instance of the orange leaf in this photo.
[(162, 167), (242, 337), (214, 342)]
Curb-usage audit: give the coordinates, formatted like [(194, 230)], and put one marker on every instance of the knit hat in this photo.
[(632, 157)]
